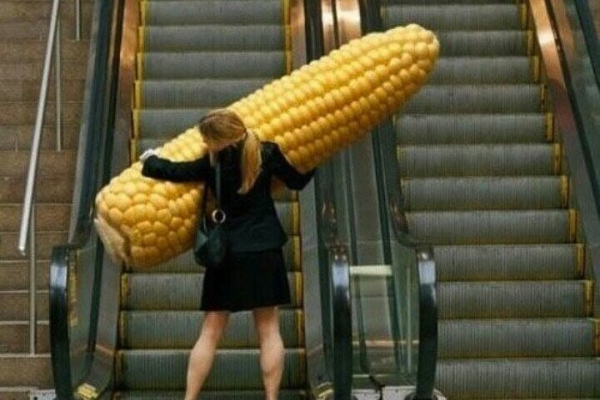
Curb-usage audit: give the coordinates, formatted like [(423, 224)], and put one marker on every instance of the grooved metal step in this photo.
[(492, 227), (508, 338), (166, 370), (509, 262), (180, 329), (482, 70), (454, 17), (479, 99), (528, 378), (179, 291), (198, 93), (484, 43), (485, 193), (471, 129), (213, 65), (214, 12), (479, 160), (214, 38), (548, 299), (208, 395)]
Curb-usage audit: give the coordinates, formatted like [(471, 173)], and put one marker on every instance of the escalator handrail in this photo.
[(590, 35), (428, 311), (92, 138)]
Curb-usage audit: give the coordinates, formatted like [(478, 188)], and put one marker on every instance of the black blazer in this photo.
[(252, 223)]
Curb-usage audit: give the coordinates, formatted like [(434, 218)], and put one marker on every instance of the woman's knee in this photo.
[(266, 321), (214, 325)]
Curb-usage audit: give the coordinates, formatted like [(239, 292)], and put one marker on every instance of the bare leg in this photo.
[(272, 353), (203, 353)]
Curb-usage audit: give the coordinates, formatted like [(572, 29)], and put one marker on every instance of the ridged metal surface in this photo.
[(516, 338), (214, 38), (476, 160), (548, 299), (474, 99), (478, 70), (214, 65), (490, 227), (483, 193), (198, 93), (214, 12), (457, 17), (180, 329), (508, 262), (483, 43), (419, 129), (179, 291), (232, 370), (514, 378), (208, 395)]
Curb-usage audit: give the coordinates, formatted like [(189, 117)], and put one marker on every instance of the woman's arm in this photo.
[(161, 168), (283, 170)]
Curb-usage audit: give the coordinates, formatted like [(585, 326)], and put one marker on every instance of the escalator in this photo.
[(490, 179), (119, 333)]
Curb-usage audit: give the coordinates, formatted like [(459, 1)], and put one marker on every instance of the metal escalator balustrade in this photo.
[(485, 180), (383, 288), (194, 56)]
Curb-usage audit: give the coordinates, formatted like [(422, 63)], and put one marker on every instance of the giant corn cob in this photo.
[(311, 113)]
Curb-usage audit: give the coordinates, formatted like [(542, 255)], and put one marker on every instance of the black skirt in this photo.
[(246, 281)]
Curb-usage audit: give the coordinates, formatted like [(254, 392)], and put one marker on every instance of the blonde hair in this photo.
[(225, 127)]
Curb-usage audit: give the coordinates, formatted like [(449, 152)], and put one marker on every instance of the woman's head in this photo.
[(222, 128)]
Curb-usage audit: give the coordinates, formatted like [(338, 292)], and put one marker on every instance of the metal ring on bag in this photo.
[(218, 216)]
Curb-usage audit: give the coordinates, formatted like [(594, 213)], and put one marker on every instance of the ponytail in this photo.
[(251, 161)]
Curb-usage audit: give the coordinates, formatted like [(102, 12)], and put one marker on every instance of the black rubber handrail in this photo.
[(94, 140), (590, 35), (388, 186)]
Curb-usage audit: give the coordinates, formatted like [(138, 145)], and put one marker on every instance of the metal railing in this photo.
[(27, 230)]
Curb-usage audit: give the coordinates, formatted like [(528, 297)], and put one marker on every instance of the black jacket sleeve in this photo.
[(283, 170), (160, 168)]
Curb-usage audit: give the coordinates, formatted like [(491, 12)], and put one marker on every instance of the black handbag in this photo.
[(210, 245)]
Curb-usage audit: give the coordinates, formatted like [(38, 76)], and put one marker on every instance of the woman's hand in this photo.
[(150, 152)]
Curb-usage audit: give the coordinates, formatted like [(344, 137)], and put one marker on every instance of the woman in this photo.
[(254, 276)]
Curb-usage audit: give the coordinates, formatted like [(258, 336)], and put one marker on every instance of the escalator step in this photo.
[(476, 99), (179, 291), (208, 395), (436, 2), (185, 262), (213, 65), (485, 193), (492, 227), (241, 12), (454, 17), (516, 338), (169, 123), (470, 129), (547, 299), (478, 160), (482, 70), (509, 262), (530, 378), (197, 93), (180, 329), (484, 43), (214, 38), (166, 370)]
